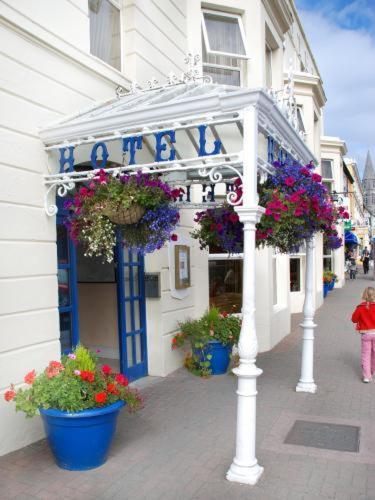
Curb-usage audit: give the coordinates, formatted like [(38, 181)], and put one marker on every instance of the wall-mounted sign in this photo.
[(152, 285), (182, 266), (99, 155)]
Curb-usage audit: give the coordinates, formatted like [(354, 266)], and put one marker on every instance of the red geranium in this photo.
[(101, 397), (9, 395), (87, 375), (106, 369), (111, 387), (30, 377), (121, 379)]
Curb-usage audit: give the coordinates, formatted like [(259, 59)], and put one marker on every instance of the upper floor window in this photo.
[(327, 169), (224, 46), (268, 66), (105, 31), (300, 118)]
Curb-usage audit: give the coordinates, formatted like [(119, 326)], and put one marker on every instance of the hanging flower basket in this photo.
[(296, 204), (124, 216), (141, 205)]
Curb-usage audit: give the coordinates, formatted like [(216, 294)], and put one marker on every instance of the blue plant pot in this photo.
[(220, 356), (331, 285), (325, 289), (81, 441)]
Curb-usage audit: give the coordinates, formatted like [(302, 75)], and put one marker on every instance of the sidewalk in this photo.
[(181, 445)]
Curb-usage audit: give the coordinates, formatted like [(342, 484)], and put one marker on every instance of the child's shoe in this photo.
[(366, 380)]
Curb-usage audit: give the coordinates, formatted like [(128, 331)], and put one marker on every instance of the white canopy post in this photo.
[(306, 381), (245, 467)]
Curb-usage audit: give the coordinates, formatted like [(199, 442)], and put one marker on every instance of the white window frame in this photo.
[(206, 39), (270, 51), (117, 5), (230, 68)]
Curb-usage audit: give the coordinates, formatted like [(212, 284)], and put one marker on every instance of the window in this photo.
[(327, 169), (327, 258), (295, 274), (224, 45), (268, 67), (300, 119), (105, 38), (373, 199), (225, 283)]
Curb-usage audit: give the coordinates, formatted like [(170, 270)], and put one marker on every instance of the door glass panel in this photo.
[(129, 351), (128, 316), (137, 316), (136, 283), (63, 282), (138, 348), (127, 281), (62, 244), (65, 332), (225, 281)]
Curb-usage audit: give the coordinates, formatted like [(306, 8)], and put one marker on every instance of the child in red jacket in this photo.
[(364, 316)]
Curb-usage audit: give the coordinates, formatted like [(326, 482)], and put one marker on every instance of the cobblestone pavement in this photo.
[(181, 445)]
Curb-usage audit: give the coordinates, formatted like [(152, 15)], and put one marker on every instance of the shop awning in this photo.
[(351, 238)]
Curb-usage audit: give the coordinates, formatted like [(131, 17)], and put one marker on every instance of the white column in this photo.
[(245, 468), (306, 381)]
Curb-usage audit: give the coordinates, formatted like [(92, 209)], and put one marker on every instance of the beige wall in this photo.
[(46, 73)]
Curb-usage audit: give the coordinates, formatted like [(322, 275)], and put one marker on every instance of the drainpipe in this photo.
[(306, 381), (245, 468)]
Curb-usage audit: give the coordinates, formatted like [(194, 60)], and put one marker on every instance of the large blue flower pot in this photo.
[(81, 441), (331, 285), (220, 356), (325, 289)]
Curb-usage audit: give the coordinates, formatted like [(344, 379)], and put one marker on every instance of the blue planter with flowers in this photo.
[(218, 354), (81, 440), (325, 289)]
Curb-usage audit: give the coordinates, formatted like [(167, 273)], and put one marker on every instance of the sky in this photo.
[(341, 34)]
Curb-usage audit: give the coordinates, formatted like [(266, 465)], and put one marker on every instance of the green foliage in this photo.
[(197, 333), (77, 383)]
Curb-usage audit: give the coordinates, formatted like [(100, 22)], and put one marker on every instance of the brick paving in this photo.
[(181, 445)]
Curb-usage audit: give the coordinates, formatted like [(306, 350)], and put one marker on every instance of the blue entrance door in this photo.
[(131, 312)]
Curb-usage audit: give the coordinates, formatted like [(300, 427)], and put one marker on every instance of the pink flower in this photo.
[(290, 181), (276, 217), (294, 198), (298, 212), (174, 237), (219, 227), (305, 171), (316, 177), (77, 372), (234, 218), (72, 356), (268, 211)]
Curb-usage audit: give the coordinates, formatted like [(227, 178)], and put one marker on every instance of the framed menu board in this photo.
[(182, 266)]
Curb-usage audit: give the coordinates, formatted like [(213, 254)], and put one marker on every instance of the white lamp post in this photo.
[(245, 467), (306, 381)]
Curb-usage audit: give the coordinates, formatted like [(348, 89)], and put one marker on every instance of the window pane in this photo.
[(63, 283), (105, 32), (223, 76), (62, 244), (268, 67), (65, 332), (300, 121), (327, 263), (224, 34), (295, 275), (225, 282), (327, 169)]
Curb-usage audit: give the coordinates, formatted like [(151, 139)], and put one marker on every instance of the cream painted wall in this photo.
[(46, 73)]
